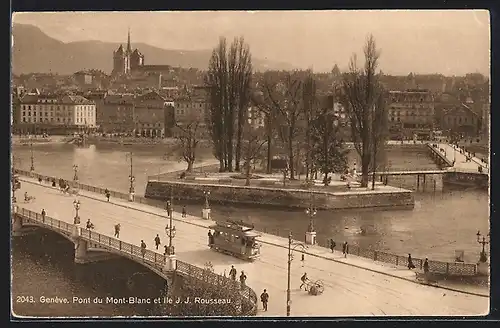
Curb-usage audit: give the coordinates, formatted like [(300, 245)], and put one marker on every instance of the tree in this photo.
[(362, 96), (310, 102), (251, 147), (326, 145), (284, 97), (270, 114), (228, 78), (242, 82), (216, 81), (188, 134)]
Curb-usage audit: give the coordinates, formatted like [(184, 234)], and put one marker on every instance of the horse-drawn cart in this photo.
[(315, 288)]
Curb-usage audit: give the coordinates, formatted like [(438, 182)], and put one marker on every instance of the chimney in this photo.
[(159, 82)]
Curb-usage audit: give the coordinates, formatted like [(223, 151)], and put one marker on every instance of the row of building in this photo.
[(155, 113)]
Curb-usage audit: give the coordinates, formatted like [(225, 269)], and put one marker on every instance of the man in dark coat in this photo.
[(157, 241), (143, 248), (332, 245), (410, 262), (264, 298), (232, 273)]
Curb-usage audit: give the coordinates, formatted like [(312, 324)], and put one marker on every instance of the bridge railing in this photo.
[(151, 258), (438, 267), (435, 149)]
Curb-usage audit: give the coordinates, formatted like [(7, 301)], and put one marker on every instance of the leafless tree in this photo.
[(362, 96), (216, 80), (229, 78), (252, 145), (310, 104), (284, 97), (270, 114), (242, 81), (187, 132)]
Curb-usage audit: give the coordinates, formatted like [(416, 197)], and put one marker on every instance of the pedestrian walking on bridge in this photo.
[(184, 212), (243, 278), (410, 262), (426, 266), (332, 244), (345, 249), (143, 248), (157, 241), (107, 193), (90, 225), (43, 215), (264, 298), (232, 273), (117, 230)]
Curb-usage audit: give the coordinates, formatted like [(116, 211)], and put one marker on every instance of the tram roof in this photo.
[(234, 226)]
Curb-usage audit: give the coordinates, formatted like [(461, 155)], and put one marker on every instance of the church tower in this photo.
[(121, 58)]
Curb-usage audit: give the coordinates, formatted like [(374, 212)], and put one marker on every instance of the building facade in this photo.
[(116, 114), (411, 113), (461, 120), (56, 114), (150, 115), (190, 109)]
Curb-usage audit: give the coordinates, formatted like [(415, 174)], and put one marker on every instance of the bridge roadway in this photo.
[(461, 163), (365, 290)]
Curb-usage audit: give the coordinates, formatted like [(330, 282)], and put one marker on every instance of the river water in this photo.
[(440, 223)]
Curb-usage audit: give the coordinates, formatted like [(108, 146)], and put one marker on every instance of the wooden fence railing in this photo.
[(150, 258)]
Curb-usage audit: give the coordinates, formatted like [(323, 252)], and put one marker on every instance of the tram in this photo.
[(235, 239)]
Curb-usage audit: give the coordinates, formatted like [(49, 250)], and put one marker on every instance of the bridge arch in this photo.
[(32, 224)]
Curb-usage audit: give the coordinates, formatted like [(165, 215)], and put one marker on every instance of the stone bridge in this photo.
[(91, 246)]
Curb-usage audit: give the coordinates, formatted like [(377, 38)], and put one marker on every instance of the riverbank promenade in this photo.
[(353, 286)]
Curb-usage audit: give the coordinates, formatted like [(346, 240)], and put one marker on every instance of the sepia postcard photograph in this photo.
[(328, 163)]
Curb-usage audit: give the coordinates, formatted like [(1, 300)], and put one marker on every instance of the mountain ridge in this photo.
[(33, 51)]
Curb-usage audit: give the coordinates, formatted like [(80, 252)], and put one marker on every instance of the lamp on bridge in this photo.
[(311, 232), (32, 168), (483, 257), (292, 246), (205, 212), (131, 178), (76, 204), (170, 230), (75, 176)]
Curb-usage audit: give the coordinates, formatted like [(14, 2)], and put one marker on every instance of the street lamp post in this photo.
[(170, 231), (205, 212), (32, 168), (131, 178), (311, 232), (292, 246), (75, 168), (482, 241), (76, 204)]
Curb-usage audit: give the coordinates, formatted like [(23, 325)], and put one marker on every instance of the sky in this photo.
[(450, 42)]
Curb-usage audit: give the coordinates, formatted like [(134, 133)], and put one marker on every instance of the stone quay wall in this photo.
[(252, 195)]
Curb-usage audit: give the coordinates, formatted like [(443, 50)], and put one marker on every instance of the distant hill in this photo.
[(36, 52)]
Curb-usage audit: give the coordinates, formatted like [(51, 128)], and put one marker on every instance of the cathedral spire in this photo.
[(129, 48)]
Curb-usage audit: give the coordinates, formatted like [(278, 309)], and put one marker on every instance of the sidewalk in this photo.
[(316, 251)]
